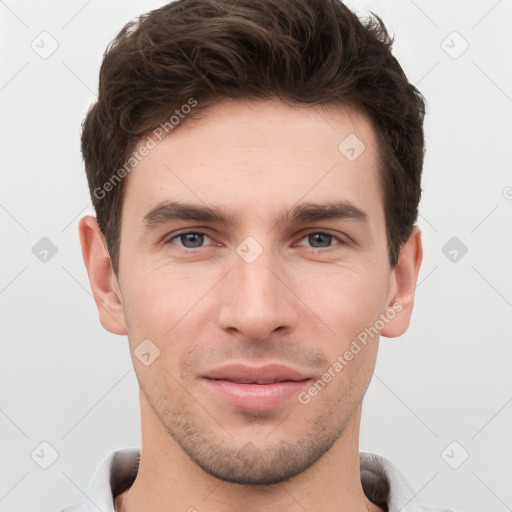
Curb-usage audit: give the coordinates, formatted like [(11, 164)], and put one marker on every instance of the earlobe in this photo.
[(404, 277), (102, 278)]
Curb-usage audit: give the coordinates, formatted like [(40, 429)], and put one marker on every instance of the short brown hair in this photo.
[(305, 51)]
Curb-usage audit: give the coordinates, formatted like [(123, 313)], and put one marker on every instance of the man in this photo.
[(255, 167)]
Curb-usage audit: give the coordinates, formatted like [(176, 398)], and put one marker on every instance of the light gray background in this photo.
[(66, 381)]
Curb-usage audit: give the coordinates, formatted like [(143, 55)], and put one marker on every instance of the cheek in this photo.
[(168, 306), (346, 299), (157, 291)]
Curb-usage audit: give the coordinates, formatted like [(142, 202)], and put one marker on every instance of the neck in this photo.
[(169, 480)]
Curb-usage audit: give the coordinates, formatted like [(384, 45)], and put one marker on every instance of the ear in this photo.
[(403, 281), (102, 278)]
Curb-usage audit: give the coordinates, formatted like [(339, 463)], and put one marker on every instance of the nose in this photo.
[(257, 299)]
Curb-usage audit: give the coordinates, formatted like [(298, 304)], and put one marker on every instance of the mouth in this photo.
[(254, 388), (259, 381), (267, 374)]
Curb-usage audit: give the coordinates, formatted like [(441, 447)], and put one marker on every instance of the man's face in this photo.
[(268, 286)]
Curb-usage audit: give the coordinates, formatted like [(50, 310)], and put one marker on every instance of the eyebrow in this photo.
[(303, 213)]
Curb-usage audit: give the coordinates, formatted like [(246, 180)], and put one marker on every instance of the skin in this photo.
[(300, 303)]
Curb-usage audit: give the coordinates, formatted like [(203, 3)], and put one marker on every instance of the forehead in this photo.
[(248, 154)]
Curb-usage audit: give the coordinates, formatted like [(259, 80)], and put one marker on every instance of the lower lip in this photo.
[(256, 396)]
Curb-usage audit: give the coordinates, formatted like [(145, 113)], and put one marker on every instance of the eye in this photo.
[(189, 239), (319, 239)]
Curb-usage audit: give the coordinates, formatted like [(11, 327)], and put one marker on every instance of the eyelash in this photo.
[(323, 249)]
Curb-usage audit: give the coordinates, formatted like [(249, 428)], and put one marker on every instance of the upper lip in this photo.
[(266, 374)]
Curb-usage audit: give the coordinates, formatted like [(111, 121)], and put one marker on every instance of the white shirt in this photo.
[(382, 483)]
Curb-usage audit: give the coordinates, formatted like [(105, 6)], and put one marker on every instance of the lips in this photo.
[(258, 381), (267, 374), (255, 388)]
